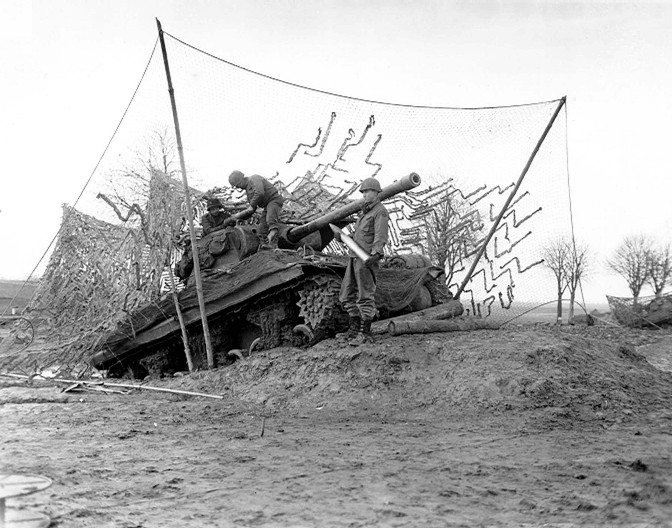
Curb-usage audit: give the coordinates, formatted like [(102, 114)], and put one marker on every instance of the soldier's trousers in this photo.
[(270, 217), (358, 289)]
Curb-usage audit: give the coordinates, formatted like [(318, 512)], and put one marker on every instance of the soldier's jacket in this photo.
[(211, 222), (371, 228), (260, 192)]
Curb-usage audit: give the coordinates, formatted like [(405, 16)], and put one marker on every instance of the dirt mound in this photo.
[(510, 428), (575, 375)]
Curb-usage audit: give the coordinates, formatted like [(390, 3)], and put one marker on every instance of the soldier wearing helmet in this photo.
[(359, 282), (215, 218), (260, 193)]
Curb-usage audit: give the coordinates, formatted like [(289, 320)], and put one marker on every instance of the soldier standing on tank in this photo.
[(359, 282), (260, 193), (215, 218)]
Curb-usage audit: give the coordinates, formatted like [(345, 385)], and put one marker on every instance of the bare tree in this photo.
[(632, 262), (146, 195), (577, 267), (660, 269), (162, 153), (556, 255), (130, 185), (451, 228)]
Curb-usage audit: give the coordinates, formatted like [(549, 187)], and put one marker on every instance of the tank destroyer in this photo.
[(258, 299)]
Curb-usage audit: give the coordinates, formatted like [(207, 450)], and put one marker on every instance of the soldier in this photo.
[(260, 193), (359, 283), (215, 218)]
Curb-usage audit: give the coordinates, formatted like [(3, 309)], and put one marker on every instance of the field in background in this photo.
[(547, 313), (13, 293)]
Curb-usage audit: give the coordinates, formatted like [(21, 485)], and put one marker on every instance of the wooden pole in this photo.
[(147, 387), (187, 202), (510, 198), (180, 318), (459, 324), (447, 310), (122, 385)]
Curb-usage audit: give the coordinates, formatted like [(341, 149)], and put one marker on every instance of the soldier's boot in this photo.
[(353, 329), (364, 336)]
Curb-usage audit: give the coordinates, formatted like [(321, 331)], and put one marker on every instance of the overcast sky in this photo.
[(70, 67)]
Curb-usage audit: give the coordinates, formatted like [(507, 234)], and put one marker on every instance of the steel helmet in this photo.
[(214, 202), (370, 184), (236, 178)]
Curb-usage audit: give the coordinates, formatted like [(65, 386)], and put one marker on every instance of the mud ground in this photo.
[(526, 426)]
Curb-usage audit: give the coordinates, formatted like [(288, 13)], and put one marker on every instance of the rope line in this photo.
[(90, 176), (538, 103), (544, 304)]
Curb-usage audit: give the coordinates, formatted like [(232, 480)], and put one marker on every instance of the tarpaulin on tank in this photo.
[(209, 247), (397, 288)]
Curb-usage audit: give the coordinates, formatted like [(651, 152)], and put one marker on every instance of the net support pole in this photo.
[(494, 227), (180, 318), (187, 202)]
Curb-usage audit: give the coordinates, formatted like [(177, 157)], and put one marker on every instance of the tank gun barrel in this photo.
[(404, 184)]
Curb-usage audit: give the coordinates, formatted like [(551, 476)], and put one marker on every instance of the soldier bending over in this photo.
[(260, 193)]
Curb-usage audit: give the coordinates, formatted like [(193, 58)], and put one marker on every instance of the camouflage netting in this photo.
[(117, 240), (99, 273), (647, 311)]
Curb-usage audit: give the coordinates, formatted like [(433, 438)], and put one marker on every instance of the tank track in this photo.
[(311, 300), (319, 305)]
